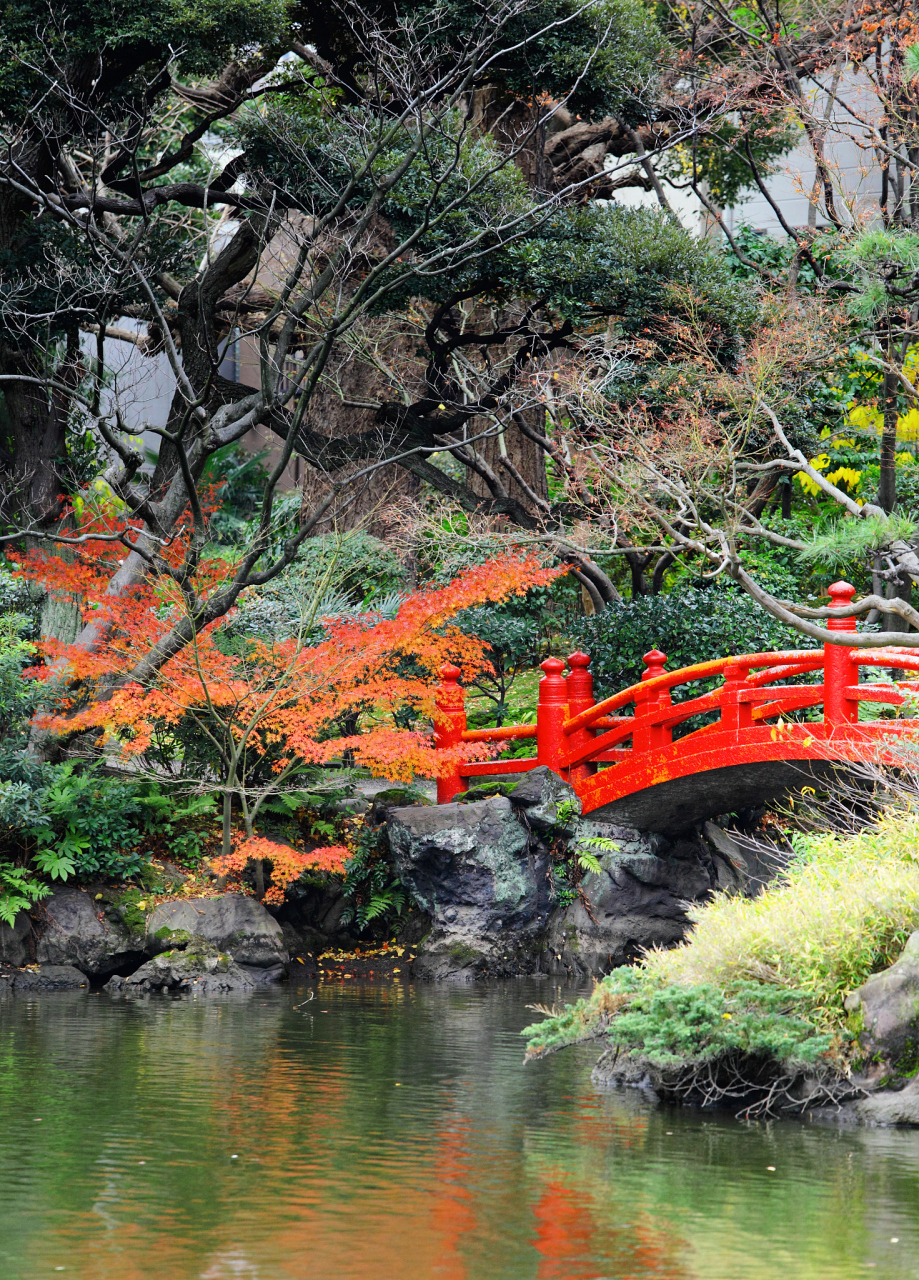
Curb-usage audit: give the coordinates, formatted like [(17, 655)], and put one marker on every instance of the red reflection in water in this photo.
[(564, 1233), (453, 1216), (574, 1244)]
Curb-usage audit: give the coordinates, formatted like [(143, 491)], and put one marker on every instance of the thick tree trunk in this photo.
[(524, 455), (342, 406), (36, 430), (887, 485)]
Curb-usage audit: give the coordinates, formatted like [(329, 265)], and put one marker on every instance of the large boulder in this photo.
[(473, 869), (50, 977), (233, 923), (894, 1107), (885, 1010), (199, 967), (637, 899), (468, 866), (14, 940), (73, 932), (549, 805)]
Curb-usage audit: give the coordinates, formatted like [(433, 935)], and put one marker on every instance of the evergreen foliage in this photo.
[(689, 625)]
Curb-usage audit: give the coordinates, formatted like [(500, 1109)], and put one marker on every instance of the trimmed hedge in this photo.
[(689, 625)]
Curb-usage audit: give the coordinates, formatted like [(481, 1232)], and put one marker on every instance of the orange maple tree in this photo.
[(274, 705), (287, 864)]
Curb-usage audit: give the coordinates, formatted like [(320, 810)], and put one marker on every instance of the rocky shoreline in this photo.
[(884, 1092), (224, 943), (481, 873)]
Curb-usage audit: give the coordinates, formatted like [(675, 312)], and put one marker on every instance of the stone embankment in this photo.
[(483, 872), (485, 876), (885, 1015), (227, 943)]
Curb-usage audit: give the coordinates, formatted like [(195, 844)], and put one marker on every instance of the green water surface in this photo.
[(390, 1132)]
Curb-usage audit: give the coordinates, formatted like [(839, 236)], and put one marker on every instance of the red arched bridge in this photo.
[(628, 768)]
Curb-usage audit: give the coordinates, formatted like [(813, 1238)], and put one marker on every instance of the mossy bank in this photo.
[(804, 998)]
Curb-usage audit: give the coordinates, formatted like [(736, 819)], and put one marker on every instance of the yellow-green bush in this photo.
[(766, 976), (842, 911)]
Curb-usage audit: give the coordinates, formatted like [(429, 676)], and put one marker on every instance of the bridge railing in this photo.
[(574, 735)]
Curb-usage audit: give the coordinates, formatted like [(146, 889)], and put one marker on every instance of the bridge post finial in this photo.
[(449, 727), (580, 698), (840, 671), (551, 714), (655, 662)]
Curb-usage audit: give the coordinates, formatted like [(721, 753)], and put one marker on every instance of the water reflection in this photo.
[(385, 1132)]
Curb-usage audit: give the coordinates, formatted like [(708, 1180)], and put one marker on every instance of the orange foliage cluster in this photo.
[(284, 697), (287, 863)]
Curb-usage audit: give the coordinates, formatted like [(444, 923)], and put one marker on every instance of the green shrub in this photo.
[(775, 970), (19, 890), (842, 910), (372, 890), (690, 625), (97, 821), (672, 1025), (334, 576), (515, 642)]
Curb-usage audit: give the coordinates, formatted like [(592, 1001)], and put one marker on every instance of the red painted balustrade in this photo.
[(607, 752)]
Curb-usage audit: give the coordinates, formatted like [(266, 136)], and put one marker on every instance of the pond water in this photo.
[(391, 1133)]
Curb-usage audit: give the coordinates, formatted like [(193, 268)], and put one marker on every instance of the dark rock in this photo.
[(50, 977), (485, 790), (885, 1011), (616, 1066), (329, 919), (541, 794), (173, 876), (73, 932), (451, 962), (731, 871), (637, 900), (14, 940), (480, 881), (744, 865), (315, 911), (234, 923), (414, 927), (470, 868), (303, 940), (201, 968), (891, 1107), (384, 802), (265, 977)]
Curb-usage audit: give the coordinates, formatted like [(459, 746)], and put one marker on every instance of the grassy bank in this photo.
[(764, 979)]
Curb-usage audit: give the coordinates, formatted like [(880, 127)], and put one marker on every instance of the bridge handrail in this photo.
[(898, 658), (796, 661), (574, 735), (505, 733), (805, 659)]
